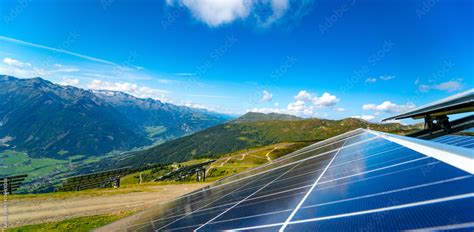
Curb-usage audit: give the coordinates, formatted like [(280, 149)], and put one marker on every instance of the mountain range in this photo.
[(50, 120), (253, 130)]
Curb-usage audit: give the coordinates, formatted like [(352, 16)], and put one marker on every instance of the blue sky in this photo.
[(329, 58)]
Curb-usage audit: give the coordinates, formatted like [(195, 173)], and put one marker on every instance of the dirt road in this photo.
[(41, 209)]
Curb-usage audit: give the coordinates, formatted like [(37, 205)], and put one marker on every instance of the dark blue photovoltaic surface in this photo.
[(456, 140), (359, 182)]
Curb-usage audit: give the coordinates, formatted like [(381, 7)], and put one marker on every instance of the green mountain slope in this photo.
[(48, 120), (259, 117), (237, 135)]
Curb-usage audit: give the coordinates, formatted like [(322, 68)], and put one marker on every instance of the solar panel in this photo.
[(459, 125), (456, 140), (186, 171), (104, 179), (362, 179), (10, 184), (458, 103)]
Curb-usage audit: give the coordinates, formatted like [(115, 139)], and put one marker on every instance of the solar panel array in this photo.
[(186, 171), (104, 179), (456, 140), (360, 180), (12, 183)]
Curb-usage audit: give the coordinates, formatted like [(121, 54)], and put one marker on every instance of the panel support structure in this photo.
[(6, 189), (438, 122)]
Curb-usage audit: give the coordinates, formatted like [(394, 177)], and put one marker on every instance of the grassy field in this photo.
[(76, 224), (242, 160), (17, 162), (227, 165)]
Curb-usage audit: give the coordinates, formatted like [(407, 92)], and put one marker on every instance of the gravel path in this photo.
[(41, 210)]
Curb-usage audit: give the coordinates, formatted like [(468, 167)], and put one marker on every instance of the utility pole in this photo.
[(5, 202)]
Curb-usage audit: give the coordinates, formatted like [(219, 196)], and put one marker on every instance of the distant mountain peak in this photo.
[(105, 92), (111, 93), (255, 117)]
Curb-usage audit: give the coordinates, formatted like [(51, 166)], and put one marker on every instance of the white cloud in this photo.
[(133, 89), (305, 105), (448, 86), (386, 77), (279, 8), (70, 81), (303, 95), (364, 117), (266, 97), (341, 110), (324, 101), (17, 63), (20, 69), (389, 107), (370, 80), (215, 12), (298, 106)]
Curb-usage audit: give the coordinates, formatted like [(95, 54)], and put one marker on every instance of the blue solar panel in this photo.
[(456, 140), (358, 181)]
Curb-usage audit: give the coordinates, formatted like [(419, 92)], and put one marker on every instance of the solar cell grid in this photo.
[(467, 143), (444, 138), (382, 191), (358, 180), (196, 220), (281, 186), (456, 140)]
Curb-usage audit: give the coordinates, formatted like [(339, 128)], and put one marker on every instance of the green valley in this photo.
[(246, 132)]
